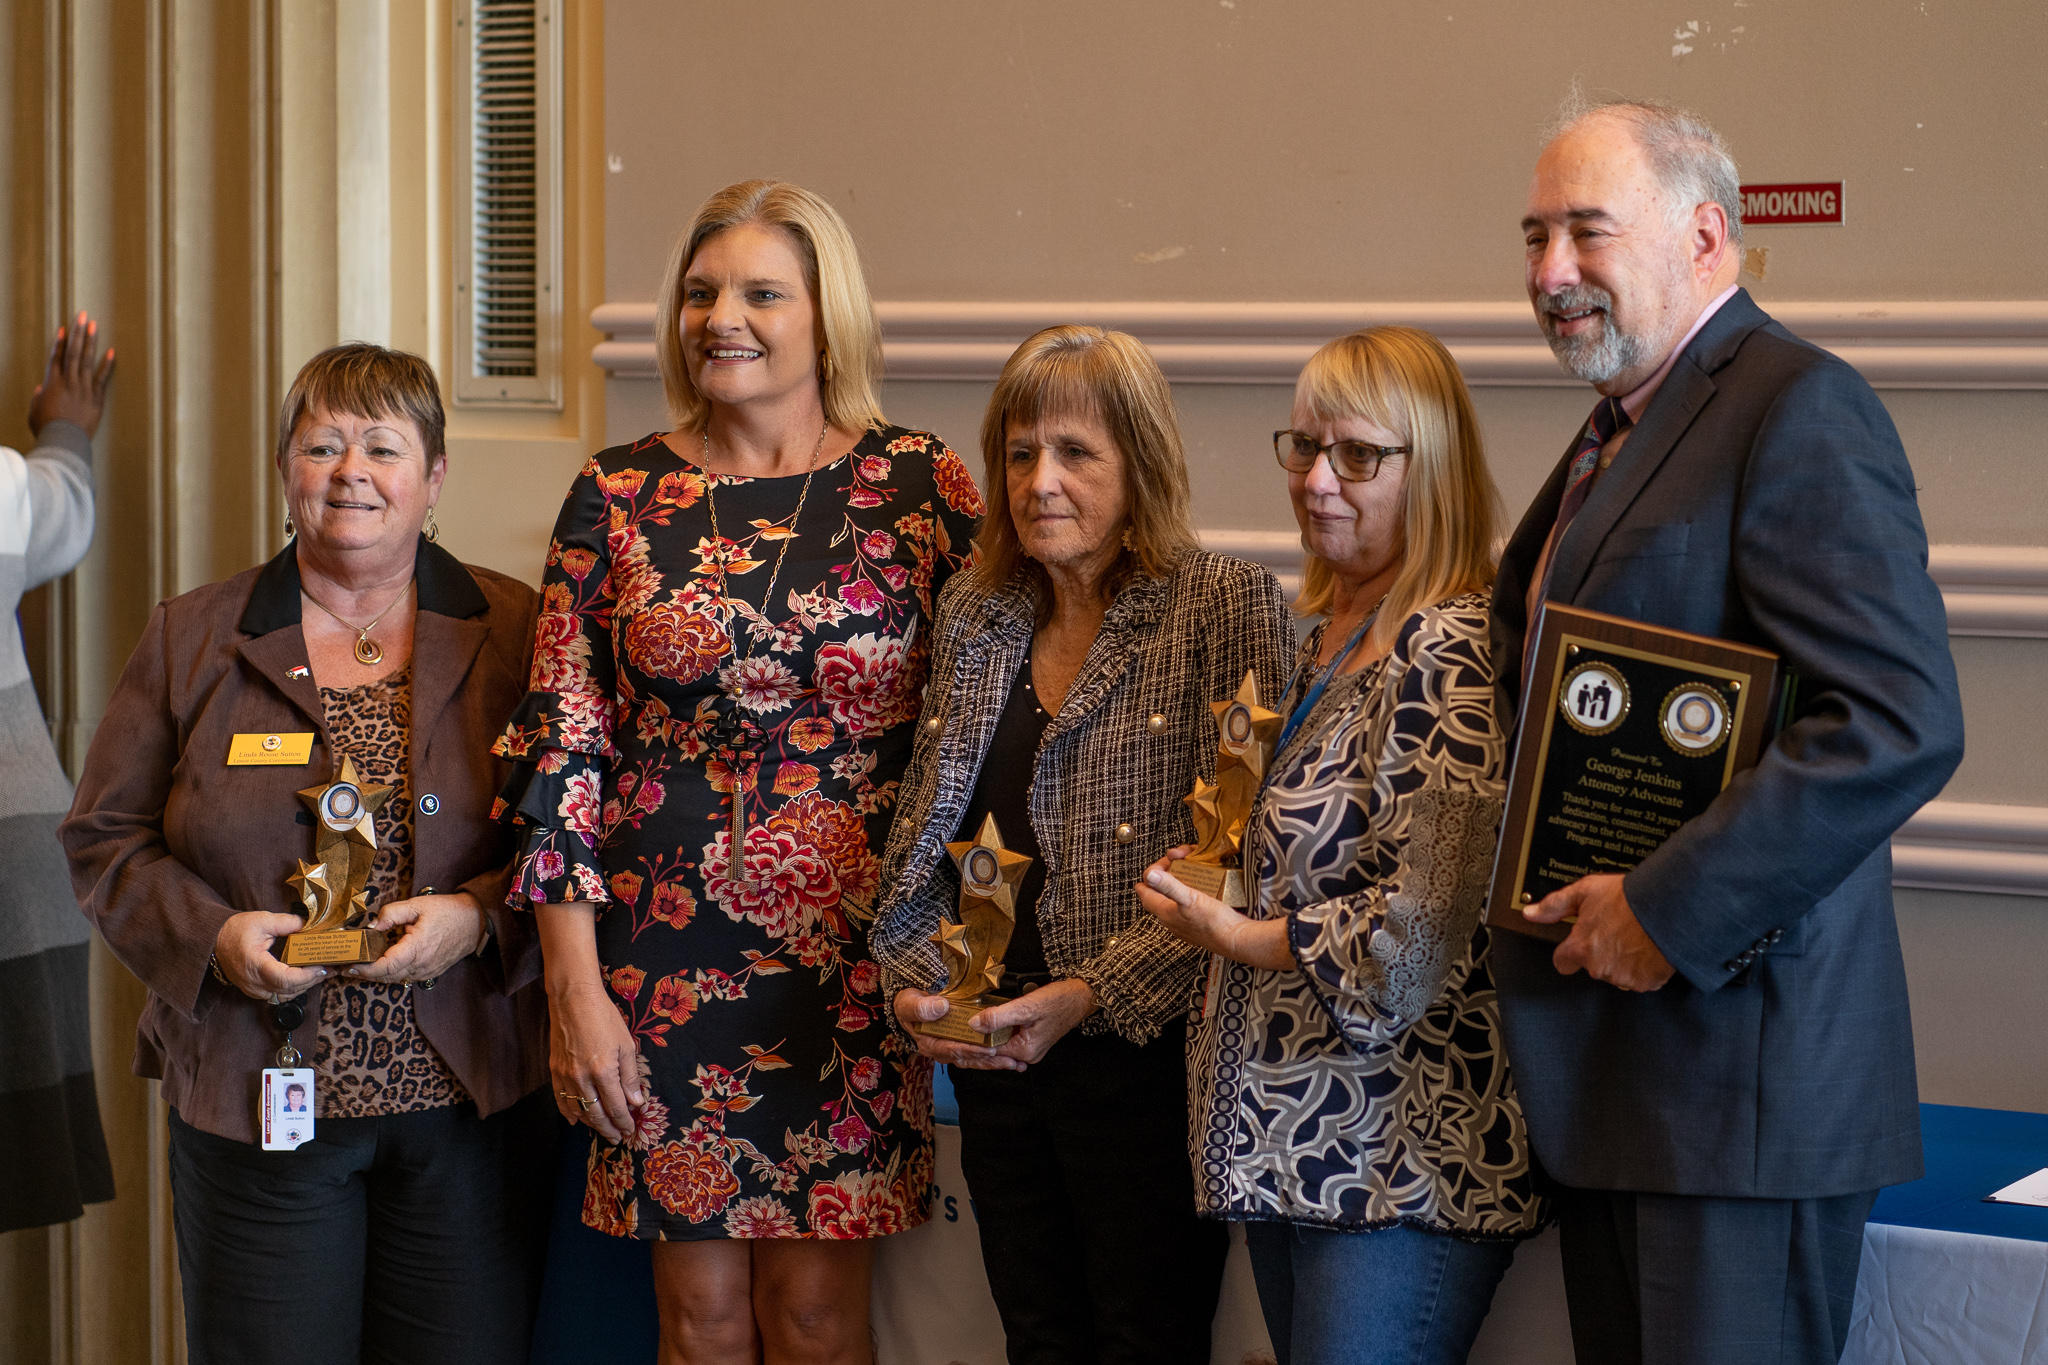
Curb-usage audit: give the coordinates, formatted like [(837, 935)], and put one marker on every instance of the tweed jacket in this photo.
[(1133, 733), (167, 841)]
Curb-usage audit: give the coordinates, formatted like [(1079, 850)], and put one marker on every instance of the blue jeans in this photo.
[(1395, 1296)]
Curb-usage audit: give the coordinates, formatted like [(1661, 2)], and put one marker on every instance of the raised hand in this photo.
[(74, 387)]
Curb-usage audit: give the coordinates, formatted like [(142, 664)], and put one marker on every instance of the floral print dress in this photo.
[(664, 690)]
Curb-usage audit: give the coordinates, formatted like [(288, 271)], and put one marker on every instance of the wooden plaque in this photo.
[(1628, 731)]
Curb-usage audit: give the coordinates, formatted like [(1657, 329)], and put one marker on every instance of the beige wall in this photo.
[(1244, 151)]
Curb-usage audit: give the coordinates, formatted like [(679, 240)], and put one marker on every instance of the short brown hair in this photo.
[(1403, 379), (368, 381), (1088, 371), (853, 338)]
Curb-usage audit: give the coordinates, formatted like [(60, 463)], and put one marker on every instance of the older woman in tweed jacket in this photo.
[(1068, 699)]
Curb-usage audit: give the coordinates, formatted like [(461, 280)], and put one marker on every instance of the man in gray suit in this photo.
[(1717, 1064)]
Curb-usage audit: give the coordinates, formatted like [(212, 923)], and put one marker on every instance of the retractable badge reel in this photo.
[(285, 1104)]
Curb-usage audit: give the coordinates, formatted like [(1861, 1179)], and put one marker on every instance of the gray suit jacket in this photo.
[(1764, 497)]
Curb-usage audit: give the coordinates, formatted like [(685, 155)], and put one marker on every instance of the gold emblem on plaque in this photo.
[(1246, 732), (973, 946), (329, 890)]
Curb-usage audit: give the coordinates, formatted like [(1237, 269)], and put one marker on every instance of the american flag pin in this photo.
[(300, 672)]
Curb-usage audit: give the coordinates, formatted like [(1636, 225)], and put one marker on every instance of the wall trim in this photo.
[(1994, 590), (1908, 344), (1972, 846)]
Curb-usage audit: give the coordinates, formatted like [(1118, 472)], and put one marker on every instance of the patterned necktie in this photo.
[(1608, 419)]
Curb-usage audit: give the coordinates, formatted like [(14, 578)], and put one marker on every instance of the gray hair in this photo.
[(1689, 158)]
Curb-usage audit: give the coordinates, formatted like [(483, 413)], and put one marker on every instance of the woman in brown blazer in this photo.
[(397, 1231)]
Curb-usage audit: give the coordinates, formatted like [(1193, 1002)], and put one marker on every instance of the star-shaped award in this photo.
[(344, 841), (309, 884), (1248, 730), (987, 869), (973, 946)]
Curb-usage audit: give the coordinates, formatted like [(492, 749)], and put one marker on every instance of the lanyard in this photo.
[(1323, 675)]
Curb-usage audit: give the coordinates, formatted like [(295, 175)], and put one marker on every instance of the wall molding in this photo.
[(1989, 590), (1973, 846), (1907, 344)]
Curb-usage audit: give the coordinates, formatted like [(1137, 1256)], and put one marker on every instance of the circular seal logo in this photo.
[(1594, 698), (982, 871), (341, 806), (1695, 719), (1237, 727), (430, 804), (272, 743)]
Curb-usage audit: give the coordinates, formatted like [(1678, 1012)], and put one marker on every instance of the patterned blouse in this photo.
[(1369, 1087), (370, 1057), (669, 685)]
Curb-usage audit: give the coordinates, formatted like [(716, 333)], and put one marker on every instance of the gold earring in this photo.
[(433, 527), (825, 364), (290, 530), (1129, 543)]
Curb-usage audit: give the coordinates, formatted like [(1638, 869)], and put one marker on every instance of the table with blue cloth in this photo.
[(1948, 1279)]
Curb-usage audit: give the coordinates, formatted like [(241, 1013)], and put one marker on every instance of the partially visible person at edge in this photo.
[(1717, 1063), (1072, 677), (1352, 1104), (732, 652), (49, 1114), (410, 1226)]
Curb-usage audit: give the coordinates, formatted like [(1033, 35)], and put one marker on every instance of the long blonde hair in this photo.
[(1076, 371), (853, 338), (1404, 380)]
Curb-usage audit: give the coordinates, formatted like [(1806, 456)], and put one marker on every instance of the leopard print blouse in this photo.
[(370, 1057)]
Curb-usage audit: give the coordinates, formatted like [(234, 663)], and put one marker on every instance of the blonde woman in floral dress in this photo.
[(731, 657)]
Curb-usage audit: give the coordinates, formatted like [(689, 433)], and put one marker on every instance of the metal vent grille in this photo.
[(508, 196), (504, 192)]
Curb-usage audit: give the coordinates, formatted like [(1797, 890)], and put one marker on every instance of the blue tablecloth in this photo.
[(1970, 1153)]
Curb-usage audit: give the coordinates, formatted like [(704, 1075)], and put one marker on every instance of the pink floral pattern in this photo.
[(664, 690)]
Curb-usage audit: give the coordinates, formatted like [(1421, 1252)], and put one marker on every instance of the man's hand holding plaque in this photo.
[(973, 946), (1246, 732), (330, 890)]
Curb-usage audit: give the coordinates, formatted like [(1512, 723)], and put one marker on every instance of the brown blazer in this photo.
[(166, 841)]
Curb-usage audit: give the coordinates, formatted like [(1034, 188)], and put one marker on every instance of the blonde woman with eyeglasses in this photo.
[(1350, 1099)]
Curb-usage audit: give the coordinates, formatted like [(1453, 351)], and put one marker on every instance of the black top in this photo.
[(1004, 791)]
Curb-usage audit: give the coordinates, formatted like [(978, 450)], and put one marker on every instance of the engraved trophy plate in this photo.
[(1628, 732), (1245, 735), (329, 890), (973, 946)]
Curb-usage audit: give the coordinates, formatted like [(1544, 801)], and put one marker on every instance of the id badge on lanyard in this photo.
[(284, 1100)]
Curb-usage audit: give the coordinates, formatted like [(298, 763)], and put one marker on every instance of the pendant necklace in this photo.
[(731, 733), (368, 651)]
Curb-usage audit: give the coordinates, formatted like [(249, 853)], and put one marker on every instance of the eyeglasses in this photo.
[(1351, 461)]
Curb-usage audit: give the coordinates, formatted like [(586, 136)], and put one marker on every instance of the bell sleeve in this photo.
[(1377, 959), (559, 739)]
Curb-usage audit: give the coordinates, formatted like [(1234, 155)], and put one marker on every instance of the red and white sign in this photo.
[(1764, 205)]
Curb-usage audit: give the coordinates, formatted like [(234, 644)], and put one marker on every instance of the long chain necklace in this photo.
[(368, 651), (735, 740)]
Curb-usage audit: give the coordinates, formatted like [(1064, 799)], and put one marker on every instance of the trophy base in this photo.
[(333, 947), (953, 1026), (1225, 884)]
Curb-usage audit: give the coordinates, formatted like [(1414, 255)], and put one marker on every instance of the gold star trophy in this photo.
[(973, 947), (330, 889), (1246, 732)]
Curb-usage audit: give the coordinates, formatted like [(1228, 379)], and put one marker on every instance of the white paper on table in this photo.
[(2032, 1189)]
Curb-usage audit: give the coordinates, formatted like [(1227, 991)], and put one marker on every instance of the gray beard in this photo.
[(1595, 356)]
